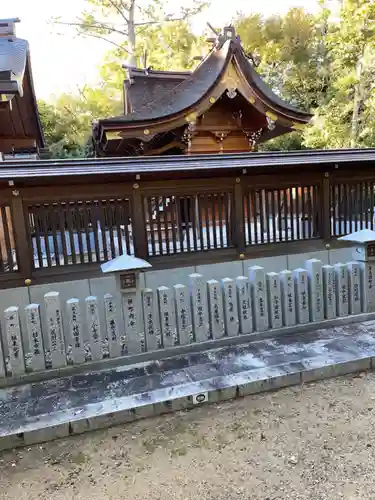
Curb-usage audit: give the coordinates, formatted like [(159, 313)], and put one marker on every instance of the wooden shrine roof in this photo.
[(20, 124), (147, 85), (188, 95)]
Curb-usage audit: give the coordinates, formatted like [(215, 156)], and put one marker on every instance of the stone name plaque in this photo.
[(368, 286), (112, 331), (133, 332), (274, 300), (355, 291), (231, 320), (302, 296), (216, 313), (76, 345), (167, 316), (94, 330), (183, 315), (288, 298), (259, 298), (198, 292), (151, 320), (329, 284), (55, 348), (342, 289), (244, 305), (35, 360), (13, 335), (315, 274)]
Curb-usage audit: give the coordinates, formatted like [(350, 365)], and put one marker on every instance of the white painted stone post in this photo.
[(288, 297), (216, 313), (13, 334), (231, 320), (198, 292), (76, 347), (183, 315), (315, 274), (152, 325), (329, 287), (244, 304), (302, 296), (342, 289), (167, 316), (274, 300), (259, 298), (35, 360), (368, 286), (112, 326), (93, 326), (56, 354), (134, 333), (355, 293)]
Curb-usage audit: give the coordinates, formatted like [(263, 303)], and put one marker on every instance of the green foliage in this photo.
[(67, 121), (345, 118)]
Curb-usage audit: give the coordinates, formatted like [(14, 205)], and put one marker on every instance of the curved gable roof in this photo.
[(194, 89)]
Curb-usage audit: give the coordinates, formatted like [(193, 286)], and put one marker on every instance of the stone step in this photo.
[(38, 412)]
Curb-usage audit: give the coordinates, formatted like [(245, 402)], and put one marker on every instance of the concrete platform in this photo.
[(33, 413)]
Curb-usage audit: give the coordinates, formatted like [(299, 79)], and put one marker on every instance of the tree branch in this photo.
[(115, 6), (148, 23), (92, 26), (105, 40)]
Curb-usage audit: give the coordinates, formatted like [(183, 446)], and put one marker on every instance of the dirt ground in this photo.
[(312, 442)]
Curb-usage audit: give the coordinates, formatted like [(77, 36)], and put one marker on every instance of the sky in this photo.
[(65, 62)]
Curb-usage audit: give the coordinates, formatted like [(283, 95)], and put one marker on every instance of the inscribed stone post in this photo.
[(215, 307), (315, 275), (259, 298), (2, 362), (198, 292), (244, 304), (167, 316), (76, 346), (151, 320), (55, 351), (342, 289), (355, 295), (134, 332), (288, 298), (231, 320), (94, 331), (35, 356), (368, 286), (112, 326), (329, 286), (302, 295), (274, 300), (183, 314), (13, 334)]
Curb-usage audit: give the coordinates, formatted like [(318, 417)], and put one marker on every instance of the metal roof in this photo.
[(24, 169)]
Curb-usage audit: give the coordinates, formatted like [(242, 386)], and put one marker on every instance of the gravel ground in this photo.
[(312, 442)]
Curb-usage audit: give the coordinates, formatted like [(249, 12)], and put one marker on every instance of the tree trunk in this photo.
[(132, 59)]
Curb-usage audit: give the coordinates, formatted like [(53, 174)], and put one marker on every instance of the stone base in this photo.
[(33, 413)]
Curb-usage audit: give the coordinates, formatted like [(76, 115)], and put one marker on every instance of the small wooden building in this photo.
[(21, 134), (223, 106)]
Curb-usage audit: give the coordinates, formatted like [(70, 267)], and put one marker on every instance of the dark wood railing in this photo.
[(61, 228)]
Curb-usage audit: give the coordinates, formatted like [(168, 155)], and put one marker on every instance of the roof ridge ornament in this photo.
[(227, 33)]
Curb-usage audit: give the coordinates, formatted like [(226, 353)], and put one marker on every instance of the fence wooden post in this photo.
[(139, 225), (239, 216), (326, 208), (24, 250)]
